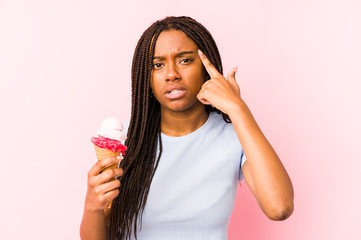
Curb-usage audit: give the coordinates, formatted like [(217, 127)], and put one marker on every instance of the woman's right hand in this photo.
[(102, 186)]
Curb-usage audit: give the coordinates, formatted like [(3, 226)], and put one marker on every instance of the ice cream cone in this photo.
[(108, 141), (105, 153)]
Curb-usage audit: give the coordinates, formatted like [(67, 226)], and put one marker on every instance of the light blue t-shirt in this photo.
[(193, 190)]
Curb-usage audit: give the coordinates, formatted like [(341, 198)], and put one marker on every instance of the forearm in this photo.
[(272, 185), (93, 226)]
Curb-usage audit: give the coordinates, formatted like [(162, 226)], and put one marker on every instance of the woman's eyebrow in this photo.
[(177, 55), (184, 53)]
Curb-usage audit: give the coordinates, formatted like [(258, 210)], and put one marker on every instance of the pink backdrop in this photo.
[(65, 65)]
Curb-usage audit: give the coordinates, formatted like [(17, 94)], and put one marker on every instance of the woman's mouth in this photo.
[(175, 93)]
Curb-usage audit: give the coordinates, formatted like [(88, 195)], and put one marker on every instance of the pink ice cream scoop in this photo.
[(110, 136)]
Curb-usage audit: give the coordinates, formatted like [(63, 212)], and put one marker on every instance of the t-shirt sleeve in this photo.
[(243, 160)]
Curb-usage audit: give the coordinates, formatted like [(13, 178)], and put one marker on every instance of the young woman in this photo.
[(191, 139)]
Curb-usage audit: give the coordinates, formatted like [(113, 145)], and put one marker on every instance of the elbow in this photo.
[(281, 212)]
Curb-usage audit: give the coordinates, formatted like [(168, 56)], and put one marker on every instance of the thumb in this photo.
[(232, 77), (232, 74)]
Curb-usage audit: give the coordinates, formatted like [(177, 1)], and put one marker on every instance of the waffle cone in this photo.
[(105, 153)]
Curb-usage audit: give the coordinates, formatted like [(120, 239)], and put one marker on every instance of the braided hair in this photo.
[(144, 133)]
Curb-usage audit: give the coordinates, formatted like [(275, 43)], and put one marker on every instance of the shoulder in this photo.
[(216, 118), (220, 129), (216, 121)]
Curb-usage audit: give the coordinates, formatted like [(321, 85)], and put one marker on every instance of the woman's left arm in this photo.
[(263, 171)]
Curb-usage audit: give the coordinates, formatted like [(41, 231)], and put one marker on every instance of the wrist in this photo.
[(92, 210), (237, 109)]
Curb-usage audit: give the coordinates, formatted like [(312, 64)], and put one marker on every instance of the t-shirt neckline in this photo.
[(198, 131)]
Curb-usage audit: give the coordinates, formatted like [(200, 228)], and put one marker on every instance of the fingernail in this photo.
[(235, 69), (200, 52), (119, 157)]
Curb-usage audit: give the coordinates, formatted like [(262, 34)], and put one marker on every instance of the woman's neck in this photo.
[(176, 124)]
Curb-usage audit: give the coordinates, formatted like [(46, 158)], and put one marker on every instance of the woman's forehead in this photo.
[(173, 41)]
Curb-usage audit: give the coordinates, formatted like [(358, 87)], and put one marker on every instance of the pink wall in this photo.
[(65, 65)]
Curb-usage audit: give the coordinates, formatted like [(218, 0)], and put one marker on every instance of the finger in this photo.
[(110, 174), (212, 71), (202, 99), (102, 164), (208, 82), (107, 187), (109, 196), (107, 176), (208, 103)]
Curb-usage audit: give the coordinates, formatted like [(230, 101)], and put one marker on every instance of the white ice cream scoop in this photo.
[(112, 128)]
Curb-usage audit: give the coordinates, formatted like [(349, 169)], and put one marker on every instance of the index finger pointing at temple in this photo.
[(212, 71)]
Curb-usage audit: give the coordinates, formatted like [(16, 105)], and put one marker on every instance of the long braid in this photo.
[(144, 133)]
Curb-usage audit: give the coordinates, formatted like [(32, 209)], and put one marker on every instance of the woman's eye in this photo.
[(186, 60), (157, 65)]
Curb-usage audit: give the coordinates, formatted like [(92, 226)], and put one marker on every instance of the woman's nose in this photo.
[(172, 72)]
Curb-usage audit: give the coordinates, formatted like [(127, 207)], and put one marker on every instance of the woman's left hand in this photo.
[(222, 93), (263, 170)]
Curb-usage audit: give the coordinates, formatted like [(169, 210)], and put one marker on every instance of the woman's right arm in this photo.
[(99, 194)]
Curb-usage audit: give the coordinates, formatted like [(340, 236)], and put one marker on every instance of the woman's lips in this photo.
[(175, 93)]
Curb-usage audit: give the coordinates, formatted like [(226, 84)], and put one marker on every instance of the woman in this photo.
[(191, 138)]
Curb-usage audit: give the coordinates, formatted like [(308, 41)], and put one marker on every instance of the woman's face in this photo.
[(178, 73)]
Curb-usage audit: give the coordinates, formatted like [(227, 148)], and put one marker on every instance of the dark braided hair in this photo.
[(144, 135)]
